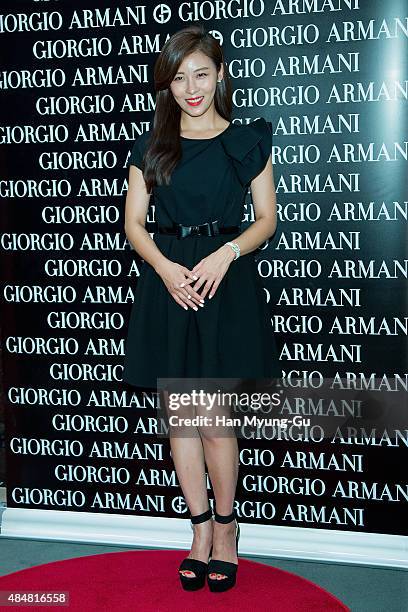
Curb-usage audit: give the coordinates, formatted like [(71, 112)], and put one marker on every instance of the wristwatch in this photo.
[(235, 247)]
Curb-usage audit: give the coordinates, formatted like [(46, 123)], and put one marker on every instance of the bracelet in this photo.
[(235, 247)]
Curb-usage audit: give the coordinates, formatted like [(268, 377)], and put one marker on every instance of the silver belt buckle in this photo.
[(215, 228)]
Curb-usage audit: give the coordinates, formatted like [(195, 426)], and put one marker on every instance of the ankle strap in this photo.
[(220, 518), (200, 518)]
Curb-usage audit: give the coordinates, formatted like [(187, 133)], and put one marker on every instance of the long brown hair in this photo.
[(163, 150)]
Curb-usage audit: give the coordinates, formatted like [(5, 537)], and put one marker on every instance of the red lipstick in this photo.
[(195, 101)]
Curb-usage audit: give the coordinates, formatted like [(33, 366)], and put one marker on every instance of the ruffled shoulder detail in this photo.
[(249, 147)]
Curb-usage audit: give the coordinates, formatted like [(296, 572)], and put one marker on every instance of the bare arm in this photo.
[(264, 201), (137, 204), (173, 274), (211, 269)]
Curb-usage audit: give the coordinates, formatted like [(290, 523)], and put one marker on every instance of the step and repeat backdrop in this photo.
[(77, 90)]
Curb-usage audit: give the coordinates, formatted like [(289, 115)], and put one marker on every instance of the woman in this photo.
[(199, 309)]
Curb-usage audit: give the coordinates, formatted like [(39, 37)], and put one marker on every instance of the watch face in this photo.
[(235, 248)]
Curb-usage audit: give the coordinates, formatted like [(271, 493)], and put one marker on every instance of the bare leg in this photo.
[(188, 458), (221, 456)]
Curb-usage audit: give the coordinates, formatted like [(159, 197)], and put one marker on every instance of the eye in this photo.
[(202, 74), (176, 78)]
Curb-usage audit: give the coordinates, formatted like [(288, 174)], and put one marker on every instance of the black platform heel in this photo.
[(193, 583), (218, 566)]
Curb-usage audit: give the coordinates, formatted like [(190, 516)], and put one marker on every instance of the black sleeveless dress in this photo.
[(231, 336)]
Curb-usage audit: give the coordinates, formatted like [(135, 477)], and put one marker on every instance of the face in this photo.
[(194, 85)]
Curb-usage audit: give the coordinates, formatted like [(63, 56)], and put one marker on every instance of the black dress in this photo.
[(231, 336)]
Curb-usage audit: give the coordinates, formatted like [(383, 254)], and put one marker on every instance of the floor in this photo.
[(362, 588)]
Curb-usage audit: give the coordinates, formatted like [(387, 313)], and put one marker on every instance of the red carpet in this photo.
[(148, 581)]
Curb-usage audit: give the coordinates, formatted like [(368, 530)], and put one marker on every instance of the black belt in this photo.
[(204, 229)]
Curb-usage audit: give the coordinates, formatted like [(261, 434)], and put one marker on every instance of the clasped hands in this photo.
[(206, 274)]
